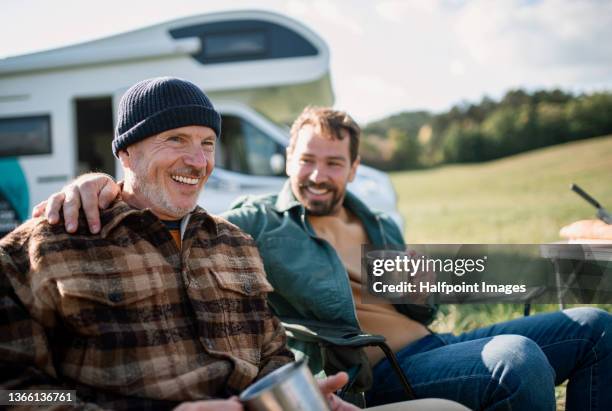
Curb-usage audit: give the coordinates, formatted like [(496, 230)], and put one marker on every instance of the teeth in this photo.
[(186, 180), (317, 191)]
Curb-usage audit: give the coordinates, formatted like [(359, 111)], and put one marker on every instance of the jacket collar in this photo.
[(285, 199), (120, 210)]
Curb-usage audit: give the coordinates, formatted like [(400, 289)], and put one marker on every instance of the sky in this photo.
[(387, 56)]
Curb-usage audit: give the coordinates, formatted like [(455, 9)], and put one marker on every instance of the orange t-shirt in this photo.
[(174, 226), (346, 234)]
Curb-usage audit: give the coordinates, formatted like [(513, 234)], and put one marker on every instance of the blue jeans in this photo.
[(510, 366)]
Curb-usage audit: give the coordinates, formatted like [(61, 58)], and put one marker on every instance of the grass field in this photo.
[(519, 199)]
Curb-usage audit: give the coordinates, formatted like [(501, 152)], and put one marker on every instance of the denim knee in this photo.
[(520, 374), (596, 326), (597, 320)]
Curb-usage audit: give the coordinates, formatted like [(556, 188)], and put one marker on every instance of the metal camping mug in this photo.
[(289, 388)]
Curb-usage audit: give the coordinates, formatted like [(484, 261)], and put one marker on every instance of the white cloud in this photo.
[(297, 7), (457, 68), (369, 96), (400, 10), (530, 35), (386, 55), (329, 11), (372, 84)]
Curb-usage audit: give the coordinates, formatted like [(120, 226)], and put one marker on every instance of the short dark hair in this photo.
[(331, 123)]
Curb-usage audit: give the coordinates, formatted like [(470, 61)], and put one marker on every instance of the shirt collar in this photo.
[(286, 200), (120, 210)]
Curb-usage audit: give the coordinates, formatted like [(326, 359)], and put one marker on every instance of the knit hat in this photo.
[(155, 105)]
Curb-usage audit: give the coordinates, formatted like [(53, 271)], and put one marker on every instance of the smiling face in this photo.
[(319, 169), (166, 172)]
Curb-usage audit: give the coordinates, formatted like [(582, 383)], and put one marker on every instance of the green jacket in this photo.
[(309, 279)]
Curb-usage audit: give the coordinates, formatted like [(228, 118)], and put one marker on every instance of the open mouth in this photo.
[(317, 191), (185, 180)]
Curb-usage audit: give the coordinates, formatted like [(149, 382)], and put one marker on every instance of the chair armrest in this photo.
[(329, 334)]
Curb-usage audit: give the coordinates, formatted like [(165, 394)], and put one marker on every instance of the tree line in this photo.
[(475, 132)]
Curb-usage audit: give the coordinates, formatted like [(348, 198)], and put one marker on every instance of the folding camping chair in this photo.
[(342, 350)]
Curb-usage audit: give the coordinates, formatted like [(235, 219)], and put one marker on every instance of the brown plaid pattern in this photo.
[(128, 319)]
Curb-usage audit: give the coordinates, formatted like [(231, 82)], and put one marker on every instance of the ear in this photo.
[(124, 157), (354, 166)]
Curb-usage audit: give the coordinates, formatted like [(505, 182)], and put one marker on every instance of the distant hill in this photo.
[(475, 132), (524, 198), (392, 143), (409, 121)]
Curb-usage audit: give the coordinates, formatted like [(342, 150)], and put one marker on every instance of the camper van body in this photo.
[(57, 107)]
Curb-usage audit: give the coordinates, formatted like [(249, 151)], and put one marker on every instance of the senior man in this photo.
[(166, 306)]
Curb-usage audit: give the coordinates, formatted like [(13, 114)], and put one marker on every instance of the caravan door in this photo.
[(36, 150)]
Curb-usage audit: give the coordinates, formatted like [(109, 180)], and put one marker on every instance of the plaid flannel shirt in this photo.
[(129, 320)]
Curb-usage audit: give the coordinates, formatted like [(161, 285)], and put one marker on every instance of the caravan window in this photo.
[(245, 149), (21, 136), (234, 44)]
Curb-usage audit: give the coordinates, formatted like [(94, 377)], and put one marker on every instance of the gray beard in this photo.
[(158, 198)]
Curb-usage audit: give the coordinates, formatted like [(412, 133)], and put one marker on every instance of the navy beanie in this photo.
[(159, 104)]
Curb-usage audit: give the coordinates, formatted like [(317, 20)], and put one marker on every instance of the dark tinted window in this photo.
[(245, 40), (246, 149), (21, 136), (234, 45)]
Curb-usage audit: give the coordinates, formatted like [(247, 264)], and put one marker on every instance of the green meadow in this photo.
[(518, 199)]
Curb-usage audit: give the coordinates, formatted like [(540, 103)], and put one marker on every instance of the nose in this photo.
[(196, 158), (317, 175)]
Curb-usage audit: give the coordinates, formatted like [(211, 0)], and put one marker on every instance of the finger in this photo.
[(54, 205), (235, 406), (331, 400), (109, 192), (234, 402), (89, 200), (214, 405), (333, 383), (337, 404), (39, 209), (72, 203)]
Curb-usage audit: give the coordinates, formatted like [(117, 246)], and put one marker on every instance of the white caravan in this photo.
[(57, 107)]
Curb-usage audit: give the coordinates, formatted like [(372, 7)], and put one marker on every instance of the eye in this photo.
[(306, 161), (174, 139), (208, 145)]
